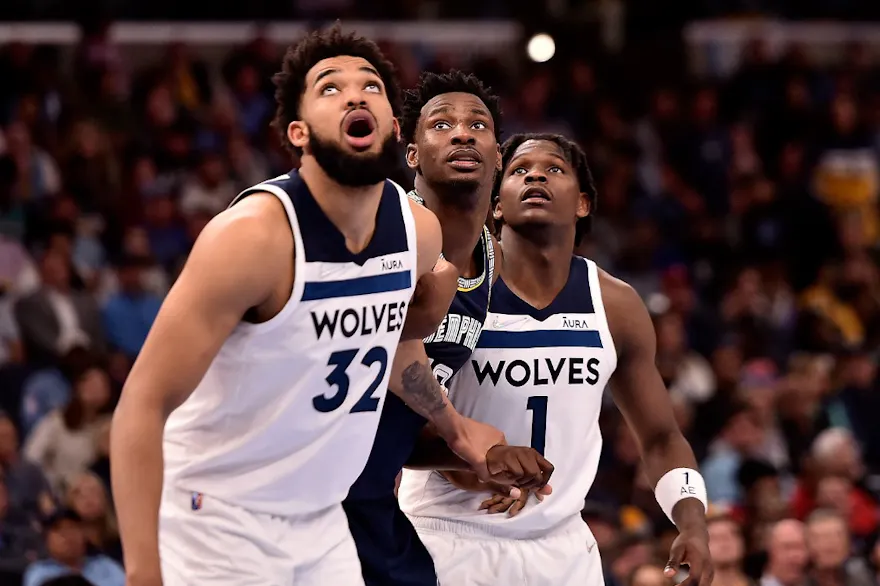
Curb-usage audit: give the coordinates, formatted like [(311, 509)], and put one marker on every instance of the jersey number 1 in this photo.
[(338, 377), (538, 406)]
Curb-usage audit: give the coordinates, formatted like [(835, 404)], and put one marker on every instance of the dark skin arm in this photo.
[(643, 400), (519, 466)]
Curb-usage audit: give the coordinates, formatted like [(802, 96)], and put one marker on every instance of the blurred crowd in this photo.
[(744, 211)]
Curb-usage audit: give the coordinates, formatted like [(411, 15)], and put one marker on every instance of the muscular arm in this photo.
[(233, 266), (433, 453), (641, 396), (411, 377)]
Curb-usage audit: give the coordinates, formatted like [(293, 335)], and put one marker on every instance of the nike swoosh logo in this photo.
[(499, 324)]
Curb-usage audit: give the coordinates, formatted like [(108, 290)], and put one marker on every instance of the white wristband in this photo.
[(680, 484)]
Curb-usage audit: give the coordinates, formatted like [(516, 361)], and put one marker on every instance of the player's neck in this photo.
[(536, 269), (351, 209), (461, 224)]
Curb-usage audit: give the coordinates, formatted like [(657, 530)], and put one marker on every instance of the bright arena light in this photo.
[(541, 48)]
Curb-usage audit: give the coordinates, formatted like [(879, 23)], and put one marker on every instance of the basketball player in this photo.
[(559, 329), (271, 355), (451, 123)]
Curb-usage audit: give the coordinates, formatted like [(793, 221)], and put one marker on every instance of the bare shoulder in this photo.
[(247, 246), (425, 218), (429, 235), (628, 317), (256, 224)]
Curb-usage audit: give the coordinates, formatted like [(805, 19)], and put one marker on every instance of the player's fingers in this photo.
[(518, 505), (676, 557), (512, 470), (546, 467), (532, 476), (491, 501), (501, 506), (543, 491)]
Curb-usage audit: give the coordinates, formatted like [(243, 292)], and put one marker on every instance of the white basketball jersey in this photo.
[(538, 376), (284, 419)]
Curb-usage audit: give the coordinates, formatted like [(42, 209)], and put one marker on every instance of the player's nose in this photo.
[(536, 176), (355, 100), (461, 135)]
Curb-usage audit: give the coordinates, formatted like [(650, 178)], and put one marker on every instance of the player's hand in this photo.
[(691, 548), (472, 443), (501, 503), (431, 299), (517, 465)]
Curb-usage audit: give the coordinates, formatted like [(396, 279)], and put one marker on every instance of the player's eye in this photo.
[(373, 87), (555, 169), (480, 125), (520, 171), (441, 125), (329, 90)]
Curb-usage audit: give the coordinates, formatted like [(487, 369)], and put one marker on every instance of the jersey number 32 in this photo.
[(339, 379)]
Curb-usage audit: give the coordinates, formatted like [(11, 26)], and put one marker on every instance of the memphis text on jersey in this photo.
[(457, 329)]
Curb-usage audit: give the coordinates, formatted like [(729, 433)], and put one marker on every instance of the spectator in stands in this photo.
[(128, 315), (209, 188), (12, 208), (839, 470), (632, 550), (38, 174), (64, 442), (19, 542), (55, 319), (728, 552), (101, 466), (740, 437), (48, 389), (787, 555), (25, 485), (88, 498), (647, 575), (68, 554), (828, 542), (687, 374)]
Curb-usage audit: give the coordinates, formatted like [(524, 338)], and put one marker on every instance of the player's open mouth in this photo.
[(359, 127), (536, 196), (466, 159)]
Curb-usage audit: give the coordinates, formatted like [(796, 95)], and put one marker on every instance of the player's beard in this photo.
[(355, 169)]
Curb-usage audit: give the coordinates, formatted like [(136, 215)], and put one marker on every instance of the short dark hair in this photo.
[(432, 85), (319, 45), (575, 156)]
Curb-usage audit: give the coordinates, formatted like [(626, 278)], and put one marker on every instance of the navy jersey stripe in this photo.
[(541, 339), (315, 290)]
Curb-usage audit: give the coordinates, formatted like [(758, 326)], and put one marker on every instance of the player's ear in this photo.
[(496, 212), (412, 156), (298, 133), (396, 125), (583, 209), (498, 160)]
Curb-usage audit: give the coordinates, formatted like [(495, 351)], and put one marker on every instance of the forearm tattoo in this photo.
[(421, 391)]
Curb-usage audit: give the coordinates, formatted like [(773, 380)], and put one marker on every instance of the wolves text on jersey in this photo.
[(363, 321), (538, 372)]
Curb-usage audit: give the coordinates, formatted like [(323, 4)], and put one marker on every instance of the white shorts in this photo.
[(467, 557), (206, 542)]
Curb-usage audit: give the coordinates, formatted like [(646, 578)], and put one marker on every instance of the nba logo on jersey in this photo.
[(197, 501)]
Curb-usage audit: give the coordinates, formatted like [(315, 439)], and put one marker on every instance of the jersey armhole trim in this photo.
[(298, 256), (409, 222), (599, 307)]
